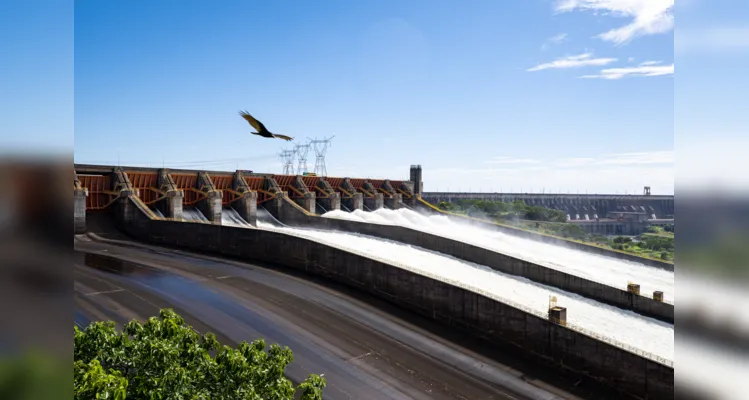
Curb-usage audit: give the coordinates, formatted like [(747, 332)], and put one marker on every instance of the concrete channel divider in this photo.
[(478, 313), (544, 238), (621, 298)]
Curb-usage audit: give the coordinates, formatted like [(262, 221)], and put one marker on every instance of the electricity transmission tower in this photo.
[(287, 156), (321, 147), (301, 151)]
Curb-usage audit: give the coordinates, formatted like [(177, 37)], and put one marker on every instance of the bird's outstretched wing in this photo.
[(255, 123), (284, 137)]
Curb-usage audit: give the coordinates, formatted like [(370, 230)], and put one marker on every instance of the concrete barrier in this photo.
[(548, 276), (479, 314)]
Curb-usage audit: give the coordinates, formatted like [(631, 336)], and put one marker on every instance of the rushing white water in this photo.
[(193, 214), (627, 327), (358, 215), (606, 270), (230, 216)]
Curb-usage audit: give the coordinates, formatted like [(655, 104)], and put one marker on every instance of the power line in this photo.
[(301, 151), (321, 147), (287, 156)]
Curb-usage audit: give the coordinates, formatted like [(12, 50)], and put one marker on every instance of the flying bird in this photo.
[(261, 129)]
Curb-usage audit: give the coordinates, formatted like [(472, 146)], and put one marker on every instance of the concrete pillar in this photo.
[(558, 315), (275, 205), (308, 201), (633, 288), (332, 200), (171, 206), (279, 206), (246, 206), (395, 201), (374, 203), (352, 199), (122, 207), (375, 200), (79, 209), (211, 205), (355, 202)]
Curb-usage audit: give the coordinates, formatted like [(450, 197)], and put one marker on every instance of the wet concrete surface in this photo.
[(365, 349)]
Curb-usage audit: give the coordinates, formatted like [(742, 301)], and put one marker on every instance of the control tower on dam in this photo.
[(577, 206)]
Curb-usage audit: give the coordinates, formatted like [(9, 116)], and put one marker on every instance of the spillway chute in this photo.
[(606, 270), (628, 328)]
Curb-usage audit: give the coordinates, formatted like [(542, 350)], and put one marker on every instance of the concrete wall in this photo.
[(476, 314), (552, 240), (548, 276)]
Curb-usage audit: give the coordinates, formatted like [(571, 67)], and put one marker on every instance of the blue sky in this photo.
[(491, 95)]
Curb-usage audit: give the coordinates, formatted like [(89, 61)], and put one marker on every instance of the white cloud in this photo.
[(556, 39), (581, 60), (511, 160), (649, 68), (649, 17)]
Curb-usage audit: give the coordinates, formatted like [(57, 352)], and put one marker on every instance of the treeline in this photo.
[(499, 210)]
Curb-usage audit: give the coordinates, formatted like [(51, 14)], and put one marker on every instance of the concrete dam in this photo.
[(600, 315), (577, 206)]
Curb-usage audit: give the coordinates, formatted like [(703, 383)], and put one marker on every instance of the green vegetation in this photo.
[(497, 210), (657, 243), (667, 231), (166, 359)]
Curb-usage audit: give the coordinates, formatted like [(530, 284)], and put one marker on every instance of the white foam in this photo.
[(230, 216), (609, 271), (625, 326), (193, 214)]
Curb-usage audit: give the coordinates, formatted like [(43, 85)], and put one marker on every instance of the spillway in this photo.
[(602, 320), (609, 271), (193, 214), (231, 217)]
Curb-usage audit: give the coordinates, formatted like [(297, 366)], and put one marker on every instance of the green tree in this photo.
[(166, 359)]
